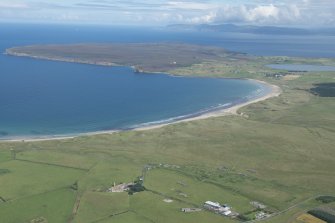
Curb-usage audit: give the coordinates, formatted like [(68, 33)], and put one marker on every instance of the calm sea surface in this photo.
[(41, 98)]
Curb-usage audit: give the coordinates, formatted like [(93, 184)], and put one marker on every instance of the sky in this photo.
[(299, 13)]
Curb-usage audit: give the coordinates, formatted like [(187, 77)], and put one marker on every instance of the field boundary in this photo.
[(53, 164)]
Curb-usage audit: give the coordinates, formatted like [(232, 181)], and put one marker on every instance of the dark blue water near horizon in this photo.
[(41, 98)]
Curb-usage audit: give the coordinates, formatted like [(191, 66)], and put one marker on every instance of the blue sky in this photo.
[(161, 12)]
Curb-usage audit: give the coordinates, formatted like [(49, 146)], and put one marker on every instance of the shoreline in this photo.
[(275, 91)]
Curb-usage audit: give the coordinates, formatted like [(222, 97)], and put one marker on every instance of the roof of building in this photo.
[(227, 213), (213, 204)]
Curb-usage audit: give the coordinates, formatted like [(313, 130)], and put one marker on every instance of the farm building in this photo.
[(217, 208), (120, 188)]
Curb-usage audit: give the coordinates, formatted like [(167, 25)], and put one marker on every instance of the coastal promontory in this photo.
[(151, 57)]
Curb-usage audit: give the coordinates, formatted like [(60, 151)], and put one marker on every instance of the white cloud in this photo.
[(12, 5), (203, 19), (263, 12), (258, 12), (189, 5)]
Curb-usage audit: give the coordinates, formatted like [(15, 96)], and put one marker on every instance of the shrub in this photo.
[(326, 199), (4, 171)]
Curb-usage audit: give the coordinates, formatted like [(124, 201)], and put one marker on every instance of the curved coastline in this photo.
[(223, 110), (275, 91)]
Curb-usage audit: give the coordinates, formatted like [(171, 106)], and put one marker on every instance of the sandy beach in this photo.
[(274, 92)]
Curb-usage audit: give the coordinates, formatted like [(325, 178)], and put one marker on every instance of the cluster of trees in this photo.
[(326, 199), (137, 187)]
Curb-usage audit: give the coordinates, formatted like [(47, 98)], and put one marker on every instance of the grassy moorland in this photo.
[(279, 152), (151, 57)]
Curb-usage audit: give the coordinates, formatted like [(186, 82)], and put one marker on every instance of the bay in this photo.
[(41, 98)]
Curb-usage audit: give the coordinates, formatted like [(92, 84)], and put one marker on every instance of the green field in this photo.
[(26, 179), (100, 206), (279, 152), (55, 206)]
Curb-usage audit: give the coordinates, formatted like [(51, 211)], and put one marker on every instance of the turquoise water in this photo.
[(41, 98), (301, 67)]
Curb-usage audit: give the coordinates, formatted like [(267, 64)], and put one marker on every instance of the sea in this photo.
[(42, 99)]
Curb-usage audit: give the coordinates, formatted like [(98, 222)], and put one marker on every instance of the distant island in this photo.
[(149, 57), (267, 30)]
